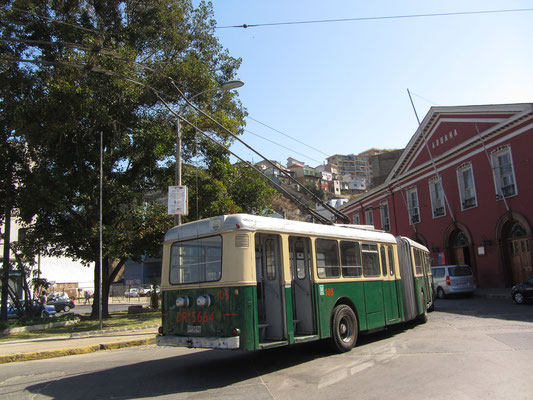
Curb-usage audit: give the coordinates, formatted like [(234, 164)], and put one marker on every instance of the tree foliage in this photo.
[(101, 77)]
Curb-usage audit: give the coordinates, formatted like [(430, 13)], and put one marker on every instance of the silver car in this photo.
[(453, 279)]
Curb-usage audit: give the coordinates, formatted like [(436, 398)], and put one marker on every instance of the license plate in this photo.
[(194, 329)]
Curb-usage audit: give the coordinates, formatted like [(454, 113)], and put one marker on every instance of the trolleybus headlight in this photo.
[(236, 332), (182, 301), (160, 330), (203, 301)]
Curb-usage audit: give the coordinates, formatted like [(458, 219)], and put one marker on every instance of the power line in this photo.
[(159, 94), (280, 145), (104, 51), (385, 17), (290, 137)]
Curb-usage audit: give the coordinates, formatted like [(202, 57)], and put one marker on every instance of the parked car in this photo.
[(42, 310), (61, 303), (453, 279), (523, 292), (133, 292)]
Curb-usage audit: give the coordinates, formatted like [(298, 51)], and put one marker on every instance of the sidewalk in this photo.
[(88, 342)]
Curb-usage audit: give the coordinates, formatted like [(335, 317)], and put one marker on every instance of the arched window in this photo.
[(514, 229), (459, 239)]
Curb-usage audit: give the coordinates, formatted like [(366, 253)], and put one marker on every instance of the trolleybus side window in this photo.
[(391, 260), (383, 261), (370, 260), (327, 258), (351, 259), (427, 263), (299, 254), (418, 262), (198, 260), (270, 258)]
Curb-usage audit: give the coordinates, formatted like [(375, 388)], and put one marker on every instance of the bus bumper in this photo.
[(199, 342)]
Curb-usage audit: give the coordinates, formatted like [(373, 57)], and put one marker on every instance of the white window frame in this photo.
[(413, 206), (369, 217), (355, 219), (467, 195), (436, 193), (385, 216), (505, 185)]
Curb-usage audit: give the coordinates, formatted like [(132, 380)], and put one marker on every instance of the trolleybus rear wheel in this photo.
[(344, 329), (423, 318)]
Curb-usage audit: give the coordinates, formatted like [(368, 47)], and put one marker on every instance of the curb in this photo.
[(115, 330), (40, 355), (39, 327)]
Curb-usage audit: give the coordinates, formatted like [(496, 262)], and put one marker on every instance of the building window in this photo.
[(385, 220), (412, 206), (467, 190), (355, 219), (504, 179), (369, 217), (437, 197)]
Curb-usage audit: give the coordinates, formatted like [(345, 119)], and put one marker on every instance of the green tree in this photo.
[(89, 84), (14, 84)]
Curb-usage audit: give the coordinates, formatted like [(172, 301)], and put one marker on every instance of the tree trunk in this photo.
[(105, 290), (107, 278)]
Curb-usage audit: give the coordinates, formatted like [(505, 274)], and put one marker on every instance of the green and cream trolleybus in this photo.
[(249, 282)]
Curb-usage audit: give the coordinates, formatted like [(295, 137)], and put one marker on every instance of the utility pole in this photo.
[(177, 177), (7, 238)]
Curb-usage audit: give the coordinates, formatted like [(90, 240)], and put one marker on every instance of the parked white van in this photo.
[(453, 279)]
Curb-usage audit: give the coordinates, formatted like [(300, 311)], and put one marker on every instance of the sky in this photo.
[(341, 87)]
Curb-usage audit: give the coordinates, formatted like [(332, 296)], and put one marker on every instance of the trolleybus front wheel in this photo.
[(344, 329)]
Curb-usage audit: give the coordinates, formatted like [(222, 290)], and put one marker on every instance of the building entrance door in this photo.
[(518, 252)]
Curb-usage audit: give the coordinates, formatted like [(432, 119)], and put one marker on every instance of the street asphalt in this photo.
[(59, 346)]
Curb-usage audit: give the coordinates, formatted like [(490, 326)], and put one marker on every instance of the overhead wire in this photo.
[(158, 94), (383, 17), (280, 145), (100, 49), (290, 137)]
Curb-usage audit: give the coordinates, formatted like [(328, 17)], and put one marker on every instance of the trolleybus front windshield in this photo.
[(197, 260)]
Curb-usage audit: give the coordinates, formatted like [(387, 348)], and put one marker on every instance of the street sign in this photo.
[(177, 200)]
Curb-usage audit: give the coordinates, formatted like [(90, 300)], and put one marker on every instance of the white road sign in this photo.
[(177, 200)]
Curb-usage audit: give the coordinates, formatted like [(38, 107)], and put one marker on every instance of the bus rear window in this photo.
[(198, 260)]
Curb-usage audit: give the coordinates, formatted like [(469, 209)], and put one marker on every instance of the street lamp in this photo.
[(177, 178)]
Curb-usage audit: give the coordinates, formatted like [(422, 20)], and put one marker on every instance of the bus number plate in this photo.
[(194, 329)]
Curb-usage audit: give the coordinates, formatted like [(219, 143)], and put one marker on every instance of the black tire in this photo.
[(344, 329), (440, 293), (423, 318), (518, 298), (66, 309)]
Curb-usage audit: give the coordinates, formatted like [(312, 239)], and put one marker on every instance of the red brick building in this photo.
[(463, 187)]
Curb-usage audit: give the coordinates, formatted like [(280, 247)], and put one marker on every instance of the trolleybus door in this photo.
[(302, 294), (270, 295), (390, 291)]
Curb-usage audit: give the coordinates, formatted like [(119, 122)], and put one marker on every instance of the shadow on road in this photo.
[(195, 372), (190, 373), (482, 307)]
